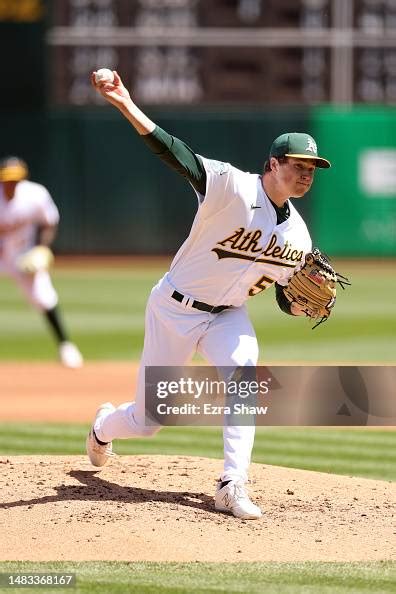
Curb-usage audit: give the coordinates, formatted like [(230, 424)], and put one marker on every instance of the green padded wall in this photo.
[(354, 204)]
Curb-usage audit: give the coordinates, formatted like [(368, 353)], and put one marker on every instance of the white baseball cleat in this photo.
[(97, 453), (233, 498), (70, 356)]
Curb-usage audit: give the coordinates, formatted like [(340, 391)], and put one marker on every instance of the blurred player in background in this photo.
[(28, 224)]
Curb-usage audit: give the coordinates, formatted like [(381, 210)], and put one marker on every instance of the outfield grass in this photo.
[(104, 309), (357, 452), (202, 578)]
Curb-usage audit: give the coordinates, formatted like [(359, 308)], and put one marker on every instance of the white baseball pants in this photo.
[(37, 288), (173, 333)]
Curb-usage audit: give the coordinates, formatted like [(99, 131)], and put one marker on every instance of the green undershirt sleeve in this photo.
[(179, 156)]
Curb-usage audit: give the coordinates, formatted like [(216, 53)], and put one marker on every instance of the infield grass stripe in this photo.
[(369, 453), (266, 443), (325, 450), (242, 578), (310, 435), (314, 436)]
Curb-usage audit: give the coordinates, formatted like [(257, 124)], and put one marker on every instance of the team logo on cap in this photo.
[(312, 146)]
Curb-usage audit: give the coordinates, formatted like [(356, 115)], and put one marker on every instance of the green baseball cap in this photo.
[(298, 145)]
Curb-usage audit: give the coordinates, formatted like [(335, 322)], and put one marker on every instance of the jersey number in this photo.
[(259, 286)]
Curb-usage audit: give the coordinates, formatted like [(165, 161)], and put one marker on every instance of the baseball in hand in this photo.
[(104, 75)]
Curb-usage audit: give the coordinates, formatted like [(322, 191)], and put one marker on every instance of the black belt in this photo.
[(201, 306)]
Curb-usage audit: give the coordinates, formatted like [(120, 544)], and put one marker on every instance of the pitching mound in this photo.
[(160, 508)]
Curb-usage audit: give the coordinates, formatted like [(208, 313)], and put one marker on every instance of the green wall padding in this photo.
[(354, 203)]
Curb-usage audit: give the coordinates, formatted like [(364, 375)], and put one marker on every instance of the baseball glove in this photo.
[(313, 287), (38, 258)]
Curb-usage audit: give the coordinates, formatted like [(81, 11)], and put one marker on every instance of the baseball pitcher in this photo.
[(245, 237)]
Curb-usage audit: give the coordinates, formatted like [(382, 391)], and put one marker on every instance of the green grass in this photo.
[(358, 452), (104, 310), (202, 578)]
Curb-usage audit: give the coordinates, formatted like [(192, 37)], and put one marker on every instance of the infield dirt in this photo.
[(160, 508)]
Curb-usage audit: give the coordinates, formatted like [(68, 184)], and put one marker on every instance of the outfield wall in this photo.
[(115, 197), (354, 206)]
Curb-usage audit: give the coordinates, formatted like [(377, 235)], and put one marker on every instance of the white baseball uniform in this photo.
[(234, 251), (30, 208)]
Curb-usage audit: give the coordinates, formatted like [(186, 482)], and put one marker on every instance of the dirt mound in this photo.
[(160, 508)]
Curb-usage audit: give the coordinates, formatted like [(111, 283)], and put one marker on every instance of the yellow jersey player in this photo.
[(28, 223)]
